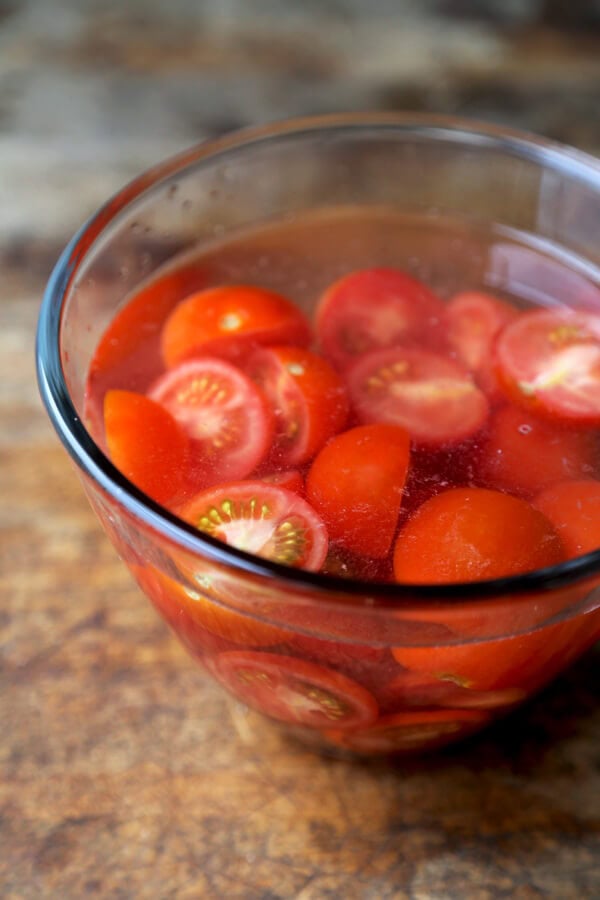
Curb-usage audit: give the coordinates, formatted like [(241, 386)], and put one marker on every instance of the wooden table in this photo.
[(125, 773)]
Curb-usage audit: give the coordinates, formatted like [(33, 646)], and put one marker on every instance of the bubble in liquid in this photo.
[(524, 429)]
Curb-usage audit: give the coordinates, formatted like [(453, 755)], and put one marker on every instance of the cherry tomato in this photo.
[(524, 454), (472, 534), (308, 397), (434, 398), (262, 519), (224, 414), (290, 480), (146, 444), (414, 730), (549, 361), (229, 321), (356, 483), (573, 507), (372, 309), (293, 690)]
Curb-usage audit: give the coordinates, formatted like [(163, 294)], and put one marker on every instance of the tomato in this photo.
[(224, 414), (434, 398), (573, 507), (549, 361), (372, 309), (473, 534), (356, 483), (524, 454), (290, 479), (262, 519), (146, 444), (293, 690), (308, 397), (414, 730), (229, 321)]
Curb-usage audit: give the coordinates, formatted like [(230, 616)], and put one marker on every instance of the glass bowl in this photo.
[(314, 651)]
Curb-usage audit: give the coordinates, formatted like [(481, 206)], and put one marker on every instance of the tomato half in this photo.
[(524, 454), (225, 415), (434, 398), (573, 507), (262, 519), (375, 308), (290, 479), (549, 361), (146, 444), (229, 321), (473, 534), (308, 397), (293, 690), (356, 483)]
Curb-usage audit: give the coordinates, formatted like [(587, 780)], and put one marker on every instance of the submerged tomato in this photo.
[(293, 690), (573, 507)]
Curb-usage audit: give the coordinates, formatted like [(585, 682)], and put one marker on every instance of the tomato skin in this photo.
[(573, 507), (524, 454), (308, 397), (229, 321), (146, 444), (226, 417), (356, 484), (431, 396), (293, 690), (473, 534), (290, 480), (549, 362), (372, 309)]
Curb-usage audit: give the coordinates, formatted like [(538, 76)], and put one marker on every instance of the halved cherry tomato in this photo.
[(290, 480), (146, 444), (308, 397), (472, 534), (262, 519), (525, 454), (434, 398), (549, 361), (414, 730), (229, 321), (356, 483), (376, 308), (224, 414), (573, 507), (293, 690)]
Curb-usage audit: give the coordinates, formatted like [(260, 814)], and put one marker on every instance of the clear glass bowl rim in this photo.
[(95, 464)]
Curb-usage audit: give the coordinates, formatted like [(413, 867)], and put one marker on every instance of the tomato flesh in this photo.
[(406, 731)]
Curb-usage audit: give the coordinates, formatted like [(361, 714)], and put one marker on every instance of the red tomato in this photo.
[(226, 417), (549, 361), (375, 308), (262, 519), (229, 321), (290, 479), (472, 534), (414, 730), (146, 444), (308, 397), (524, 454), (435, 399), (293, 690), (573, 507), (356, 483)]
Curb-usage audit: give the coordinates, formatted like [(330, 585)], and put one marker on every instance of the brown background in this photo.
[(123, 771)]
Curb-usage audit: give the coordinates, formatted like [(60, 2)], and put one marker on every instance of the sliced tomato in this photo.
[(434, 398), (229, 321), (549, 361), (225, 415), (573, 507), (308, 397), (473, 534), (376, 308), (290, 479), (408, 731), (525, 454), (356, 483), (262, 519), (146, 444), (295, 691)]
